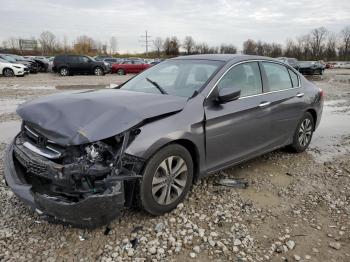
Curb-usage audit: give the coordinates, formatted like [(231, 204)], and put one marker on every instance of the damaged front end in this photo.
[(82, 185)]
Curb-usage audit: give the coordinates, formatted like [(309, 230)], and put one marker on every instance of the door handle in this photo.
[(299, 95), (264, 104)]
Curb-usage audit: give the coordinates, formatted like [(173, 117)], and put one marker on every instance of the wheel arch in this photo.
[(3, 70), (191, 147), (314, 115)]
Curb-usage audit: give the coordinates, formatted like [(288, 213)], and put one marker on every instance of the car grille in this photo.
[(29, 164), (40, 141)]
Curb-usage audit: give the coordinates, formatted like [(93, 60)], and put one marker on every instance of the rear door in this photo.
[(238, 129), (286, 98), (73, 63)]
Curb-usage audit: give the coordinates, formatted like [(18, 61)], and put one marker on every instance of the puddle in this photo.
[(9, 105), (328, 139), (8, 130)]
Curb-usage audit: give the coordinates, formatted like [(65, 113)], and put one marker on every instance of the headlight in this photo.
[(106, 64), (17, 67)]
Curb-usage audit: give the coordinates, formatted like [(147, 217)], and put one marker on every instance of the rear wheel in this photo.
[(8, 72), (121, 71), (303, 133), (166, 180), (64, 71)]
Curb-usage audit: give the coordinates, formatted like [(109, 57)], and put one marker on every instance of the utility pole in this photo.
[(145, 40)]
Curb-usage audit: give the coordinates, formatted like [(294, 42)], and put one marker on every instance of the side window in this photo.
[(277, 76), (83, 59), (294, 77), (244, 76)]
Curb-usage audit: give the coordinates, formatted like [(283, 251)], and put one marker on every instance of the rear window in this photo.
[(277, 76)]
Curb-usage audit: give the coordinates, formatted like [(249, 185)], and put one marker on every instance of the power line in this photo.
[(145, 40)]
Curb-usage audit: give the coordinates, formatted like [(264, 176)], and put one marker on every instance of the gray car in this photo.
[(83, 156)]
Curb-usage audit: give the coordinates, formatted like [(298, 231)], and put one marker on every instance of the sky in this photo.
[(213, 22)]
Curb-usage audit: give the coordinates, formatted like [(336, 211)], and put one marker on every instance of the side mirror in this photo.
[(228, 94)]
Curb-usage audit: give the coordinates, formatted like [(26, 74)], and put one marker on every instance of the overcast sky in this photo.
[(214, 22)]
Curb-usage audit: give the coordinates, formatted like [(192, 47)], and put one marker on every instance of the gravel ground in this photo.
[(296, 206)]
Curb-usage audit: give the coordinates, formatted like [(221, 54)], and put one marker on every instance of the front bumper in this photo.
[(93, 211)]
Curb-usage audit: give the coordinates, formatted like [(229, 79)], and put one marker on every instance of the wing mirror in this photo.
[(228, 94)]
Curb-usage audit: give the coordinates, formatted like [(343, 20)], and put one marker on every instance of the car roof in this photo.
[(223, 57)]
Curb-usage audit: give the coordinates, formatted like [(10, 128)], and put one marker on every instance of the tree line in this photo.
[(318, 44)]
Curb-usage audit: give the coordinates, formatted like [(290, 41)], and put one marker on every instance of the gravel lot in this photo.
[(296, 207)]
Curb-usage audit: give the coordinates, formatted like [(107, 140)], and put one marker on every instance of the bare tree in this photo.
[(331, 48), (65, 44), (171, 46), (344, 49), (228, 49), (249, 47), (48, 42), (317, 41), (84, 44), (189, 44), (158, 44), (113, 44)]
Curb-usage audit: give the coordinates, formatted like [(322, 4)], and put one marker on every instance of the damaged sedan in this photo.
[(81, 157)]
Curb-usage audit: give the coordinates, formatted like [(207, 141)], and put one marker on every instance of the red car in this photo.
[(127, 67)]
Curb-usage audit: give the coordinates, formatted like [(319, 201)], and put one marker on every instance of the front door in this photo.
[(238, 129)]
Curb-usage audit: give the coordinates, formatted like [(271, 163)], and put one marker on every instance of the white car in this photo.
[(9, 69)]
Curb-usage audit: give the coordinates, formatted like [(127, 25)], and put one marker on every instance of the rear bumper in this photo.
[(93, 211)]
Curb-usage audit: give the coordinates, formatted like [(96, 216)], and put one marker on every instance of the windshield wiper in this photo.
[(157, 86)]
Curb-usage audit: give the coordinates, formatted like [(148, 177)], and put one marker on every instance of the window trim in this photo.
[(256, 60)]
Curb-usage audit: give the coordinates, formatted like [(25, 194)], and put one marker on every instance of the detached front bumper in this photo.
[(93, 211)]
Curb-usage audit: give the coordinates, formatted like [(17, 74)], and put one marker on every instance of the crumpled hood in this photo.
[(88, 116)]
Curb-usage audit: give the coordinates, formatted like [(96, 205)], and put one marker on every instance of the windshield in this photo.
[(174, 77), (8, 58)]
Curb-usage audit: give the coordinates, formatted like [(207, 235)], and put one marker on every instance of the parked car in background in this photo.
[(81, 158), (112, 60), (100, 57), (79, 64), (42, 62), (31, 65), (290, 61), (8, 69), (311, 67), (130, 67)]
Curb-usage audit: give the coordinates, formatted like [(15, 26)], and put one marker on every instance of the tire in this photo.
[(121, 71), (64, 71), (303, 134), (155, 198), (8, 72), (98, 71)]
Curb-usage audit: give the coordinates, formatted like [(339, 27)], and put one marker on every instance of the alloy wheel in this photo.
[(8, 73), (64, 71), (169, 180), (305, 132), (120, 72), (98, 71)]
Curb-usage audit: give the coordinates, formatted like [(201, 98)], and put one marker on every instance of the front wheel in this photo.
[(8, 72), (303, 134), (166, 180), (98, 71)]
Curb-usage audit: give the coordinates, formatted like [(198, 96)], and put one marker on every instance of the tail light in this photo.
[(321, 93)]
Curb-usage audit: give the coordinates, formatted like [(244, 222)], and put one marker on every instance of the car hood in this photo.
[(87, 116), (12, 64)]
